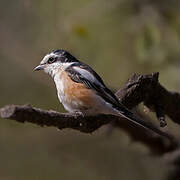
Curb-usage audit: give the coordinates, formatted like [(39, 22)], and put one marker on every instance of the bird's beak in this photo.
[(38, 68)]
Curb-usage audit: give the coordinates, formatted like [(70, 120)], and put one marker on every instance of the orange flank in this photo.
[(77, 92)]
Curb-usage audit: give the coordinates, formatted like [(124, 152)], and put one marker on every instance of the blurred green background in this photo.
[(117, 38)]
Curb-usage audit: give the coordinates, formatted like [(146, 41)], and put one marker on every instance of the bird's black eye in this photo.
[(51, 60)]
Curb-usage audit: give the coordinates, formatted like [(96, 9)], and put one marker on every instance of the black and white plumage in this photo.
[(81, 89), (82, 73)]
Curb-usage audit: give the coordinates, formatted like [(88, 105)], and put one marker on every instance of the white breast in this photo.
[(59, 86), (57, 74)]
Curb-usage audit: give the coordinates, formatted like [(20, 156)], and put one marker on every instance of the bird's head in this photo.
[(54, 60)]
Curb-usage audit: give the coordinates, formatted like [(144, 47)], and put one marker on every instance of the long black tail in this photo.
[(136, 120)]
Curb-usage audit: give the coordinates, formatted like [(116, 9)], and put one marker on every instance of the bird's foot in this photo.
[(79, 113)]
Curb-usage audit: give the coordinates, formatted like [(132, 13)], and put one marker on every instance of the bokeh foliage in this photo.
[(117, 38)]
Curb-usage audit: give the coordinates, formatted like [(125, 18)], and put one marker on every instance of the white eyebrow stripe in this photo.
[(46, 57), (87, 75)]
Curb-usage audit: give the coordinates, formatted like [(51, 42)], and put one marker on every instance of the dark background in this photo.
[(117, 38)]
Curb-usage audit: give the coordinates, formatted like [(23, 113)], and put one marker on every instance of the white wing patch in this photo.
[(87, 75)]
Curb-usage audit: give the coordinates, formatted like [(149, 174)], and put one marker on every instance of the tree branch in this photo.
[(27, 113), (139, 88), (147, 89)]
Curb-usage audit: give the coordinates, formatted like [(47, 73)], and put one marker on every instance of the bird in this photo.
[(81, 90)]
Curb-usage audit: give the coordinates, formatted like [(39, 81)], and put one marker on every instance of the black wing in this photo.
[(82, 73)]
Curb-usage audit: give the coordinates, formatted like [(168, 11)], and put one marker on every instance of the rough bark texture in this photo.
[(139, 88), (147, 89)]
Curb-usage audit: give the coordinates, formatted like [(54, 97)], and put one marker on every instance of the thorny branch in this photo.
[(138, 89)]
